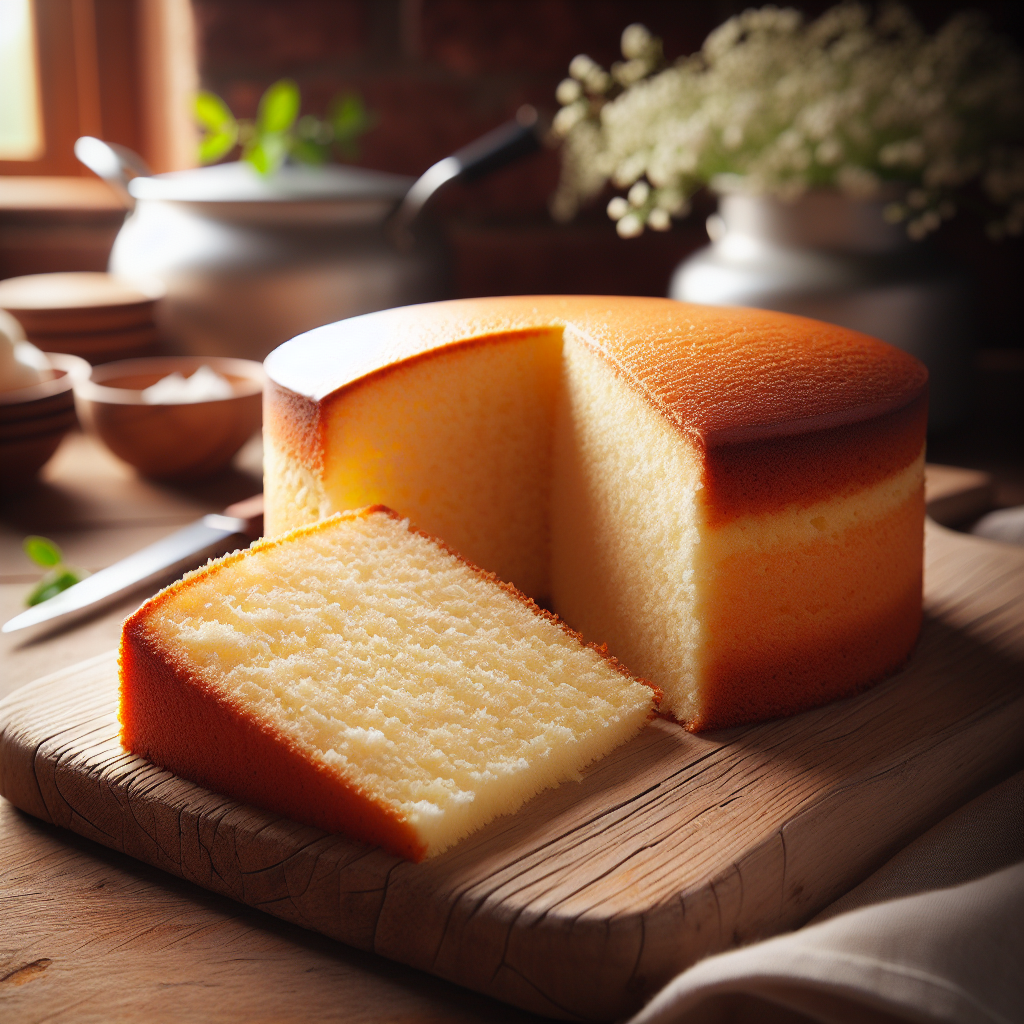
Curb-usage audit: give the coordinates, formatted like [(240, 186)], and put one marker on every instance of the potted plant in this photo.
[(833, 145), (277, 133)]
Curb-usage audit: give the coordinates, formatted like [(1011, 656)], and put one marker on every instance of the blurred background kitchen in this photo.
[(432, 76)]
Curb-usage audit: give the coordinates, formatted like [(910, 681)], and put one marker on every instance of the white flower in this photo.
[(598, 80), (630, 169), (846, 100), (617, 208), (568, 117), (582, 66), (639, 193), (636, 42), (630, 71), (630, 226), (569, 91), (659, 219)]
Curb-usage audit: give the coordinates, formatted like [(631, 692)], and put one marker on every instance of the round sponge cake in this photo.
[(731, 499)]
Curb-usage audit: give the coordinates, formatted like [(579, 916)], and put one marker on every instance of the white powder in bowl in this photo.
[(205, 385)]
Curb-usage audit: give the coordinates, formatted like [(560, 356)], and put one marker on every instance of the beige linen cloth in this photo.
[(937, 934)]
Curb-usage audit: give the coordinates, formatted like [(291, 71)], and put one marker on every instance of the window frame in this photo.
[(122, 70)]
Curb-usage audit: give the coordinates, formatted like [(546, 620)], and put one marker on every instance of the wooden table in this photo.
[(88, 934)]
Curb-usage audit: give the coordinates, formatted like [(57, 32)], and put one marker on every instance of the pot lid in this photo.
[(239, 183)]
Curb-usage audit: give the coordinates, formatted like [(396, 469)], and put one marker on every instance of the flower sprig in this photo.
[(776, 105)]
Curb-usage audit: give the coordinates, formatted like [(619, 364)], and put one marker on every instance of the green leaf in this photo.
[(42, 551), (255, 155), (308, 152), (279, 106), (52, 584), (267, 152), (217, 144), (213, 113), (221, 127)]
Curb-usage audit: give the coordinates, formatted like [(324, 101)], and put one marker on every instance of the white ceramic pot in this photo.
[(247, 262), (834, 259), (250, 262)]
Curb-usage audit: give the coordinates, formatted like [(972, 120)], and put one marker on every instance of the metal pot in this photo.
[(249, 261)]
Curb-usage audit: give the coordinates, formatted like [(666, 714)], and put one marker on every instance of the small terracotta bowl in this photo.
[(181, 442), (33, 420)]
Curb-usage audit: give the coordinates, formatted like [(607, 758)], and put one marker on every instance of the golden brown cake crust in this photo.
[(754, 477), (781, 406)]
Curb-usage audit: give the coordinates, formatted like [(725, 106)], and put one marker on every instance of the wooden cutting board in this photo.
[(593, 896)]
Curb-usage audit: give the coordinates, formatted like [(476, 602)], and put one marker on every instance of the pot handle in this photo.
[(498, 147), (115, 164)]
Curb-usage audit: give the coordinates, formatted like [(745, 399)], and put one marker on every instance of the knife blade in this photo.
[(179, 551)]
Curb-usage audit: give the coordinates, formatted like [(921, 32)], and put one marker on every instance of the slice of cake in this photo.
[(732, 500), (359, 676)]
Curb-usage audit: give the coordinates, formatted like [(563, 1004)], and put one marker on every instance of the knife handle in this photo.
[(250, 511)]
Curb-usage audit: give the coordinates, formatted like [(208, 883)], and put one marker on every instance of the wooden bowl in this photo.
[(33, 420), (181, 442)]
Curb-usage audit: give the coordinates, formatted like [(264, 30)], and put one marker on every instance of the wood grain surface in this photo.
[(89, 935), (588, 900)]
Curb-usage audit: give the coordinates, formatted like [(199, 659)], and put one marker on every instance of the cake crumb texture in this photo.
[(358, 676)]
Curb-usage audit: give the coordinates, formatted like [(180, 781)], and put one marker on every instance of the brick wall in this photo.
[(439, 73)]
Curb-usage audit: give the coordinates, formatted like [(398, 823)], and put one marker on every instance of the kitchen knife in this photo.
[(184, 549)]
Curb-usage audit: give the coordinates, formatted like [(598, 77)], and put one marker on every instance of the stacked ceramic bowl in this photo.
[(99, 317), (33, 419)]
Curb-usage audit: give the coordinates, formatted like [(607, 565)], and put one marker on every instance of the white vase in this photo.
[(835, 259)]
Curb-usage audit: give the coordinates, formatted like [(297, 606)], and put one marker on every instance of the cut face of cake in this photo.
[(732, 500), (360, 677)]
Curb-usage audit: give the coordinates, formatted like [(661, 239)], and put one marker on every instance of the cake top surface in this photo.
[(721, 374)]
